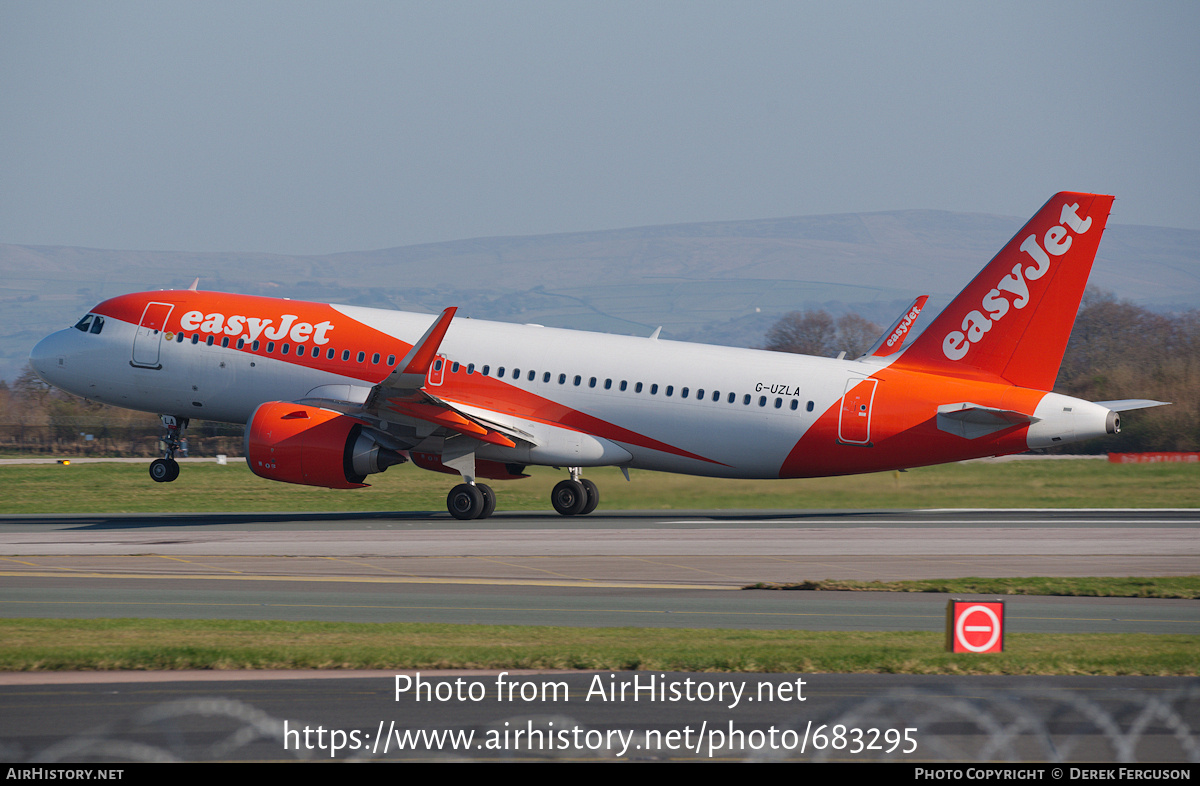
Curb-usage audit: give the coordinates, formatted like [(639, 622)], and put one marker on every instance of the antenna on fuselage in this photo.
[(194, 285)]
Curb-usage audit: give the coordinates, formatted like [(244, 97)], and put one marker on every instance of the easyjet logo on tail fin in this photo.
[(996, 303)]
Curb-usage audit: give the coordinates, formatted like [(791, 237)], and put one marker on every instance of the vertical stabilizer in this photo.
[(1013, 320)]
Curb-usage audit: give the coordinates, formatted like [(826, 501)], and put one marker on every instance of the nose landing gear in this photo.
[(166, 469)]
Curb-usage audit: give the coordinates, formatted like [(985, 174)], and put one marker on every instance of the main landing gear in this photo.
[(471, 501), (576, 496), (166, 469), (573, 497)]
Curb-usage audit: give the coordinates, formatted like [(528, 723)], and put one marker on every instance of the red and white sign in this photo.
[(1161, 457), (975, 626)]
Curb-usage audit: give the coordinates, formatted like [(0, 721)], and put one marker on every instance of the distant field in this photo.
[(127, 488)]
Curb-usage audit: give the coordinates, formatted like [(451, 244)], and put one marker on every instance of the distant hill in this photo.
[(715, 282)]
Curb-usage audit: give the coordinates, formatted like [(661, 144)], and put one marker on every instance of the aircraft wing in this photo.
[(403, 393), (895, 337)]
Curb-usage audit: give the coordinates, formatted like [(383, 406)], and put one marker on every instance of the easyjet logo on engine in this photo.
[(250, 328), (1056, 242)]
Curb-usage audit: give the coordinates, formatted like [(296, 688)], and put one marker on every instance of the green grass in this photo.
[(126, 488), (1186, 587), (49, 645)]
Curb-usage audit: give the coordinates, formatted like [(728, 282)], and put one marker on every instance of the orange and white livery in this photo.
[(331, 394)]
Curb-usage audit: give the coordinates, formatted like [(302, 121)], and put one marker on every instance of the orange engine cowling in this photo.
[(295, 443)]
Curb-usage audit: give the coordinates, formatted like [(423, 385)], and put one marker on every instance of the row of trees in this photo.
[(1117, 350), (37, 418)]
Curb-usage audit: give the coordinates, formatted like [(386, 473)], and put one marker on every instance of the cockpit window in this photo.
[(91, 323)]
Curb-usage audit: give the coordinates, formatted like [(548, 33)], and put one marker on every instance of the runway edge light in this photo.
[(974, 626)]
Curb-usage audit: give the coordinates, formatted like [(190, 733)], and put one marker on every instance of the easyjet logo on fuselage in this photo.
[(251, 328), (1055, 243)]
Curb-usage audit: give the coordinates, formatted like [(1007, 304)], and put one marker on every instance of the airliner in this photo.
[(331, 394)]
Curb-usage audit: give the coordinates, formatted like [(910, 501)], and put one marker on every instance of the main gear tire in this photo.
[(569, 498)]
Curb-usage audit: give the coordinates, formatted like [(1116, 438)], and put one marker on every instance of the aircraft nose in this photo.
[(49, 356)]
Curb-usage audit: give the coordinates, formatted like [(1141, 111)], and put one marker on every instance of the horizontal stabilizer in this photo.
[(1126, 404), (972, 421)]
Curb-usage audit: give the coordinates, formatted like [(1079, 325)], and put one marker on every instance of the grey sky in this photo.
[(307, 127)]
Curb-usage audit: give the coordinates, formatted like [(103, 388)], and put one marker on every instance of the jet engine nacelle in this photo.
[(296, 443)]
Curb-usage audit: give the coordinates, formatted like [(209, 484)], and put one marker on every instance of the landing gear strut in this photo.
[(576, 496), (166, 469)]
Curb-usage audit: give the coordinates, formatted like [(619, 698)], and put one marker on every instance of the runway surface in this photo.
[(638, 568), (641, 568)]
